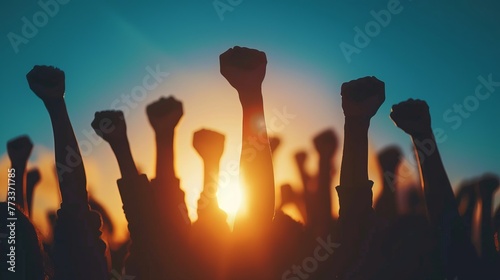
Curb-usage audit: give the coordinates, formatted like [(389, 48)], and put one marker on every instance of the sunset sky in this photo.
[(426, 50)]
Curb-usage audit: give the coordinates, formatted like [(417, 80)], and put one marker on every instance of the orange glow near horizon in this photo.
[(230, 201), (217, 109)]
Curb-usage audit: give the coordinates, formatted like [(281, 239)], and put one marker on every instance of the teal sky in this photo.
[(432, 50)]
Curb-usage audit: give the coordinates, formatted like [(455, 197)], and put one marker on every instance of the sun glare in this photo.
[(230, 200)]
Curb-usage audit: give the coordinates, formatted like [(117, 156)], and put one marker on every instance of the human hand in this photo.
[(47, 82), (413, 117), (362, 98), (19, 150), (110, 126), (326, 143), (274, 143), (164, 114), (245, 70), (209, 144), (33, 177), (300, 158)]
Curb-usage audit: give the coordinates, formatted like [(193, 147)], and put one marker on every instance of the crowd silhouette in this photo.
[(439, 236)]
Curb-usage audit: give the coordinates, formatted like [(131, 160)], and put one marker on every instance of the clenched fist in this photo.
[(326, 143), (19, 149), (164, 114), (274, 143), (209, 144), (413, 117), (110, 125), (47, 82), (245, 70), (300, 158), (361, 98)]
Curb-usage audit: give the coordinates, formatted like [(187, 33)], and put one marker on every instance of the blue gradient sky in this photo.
[(432, 51)]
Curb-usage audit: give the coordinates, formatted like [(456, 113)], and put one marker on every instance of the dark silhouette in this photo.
[(78, 253), (457, 255), (386, 206), (32, 179), (19, 150), (488, 184), (30, 259), (326, 144), (245, 70), (211, 231), (432, 239), (467, 197), (136, 195)]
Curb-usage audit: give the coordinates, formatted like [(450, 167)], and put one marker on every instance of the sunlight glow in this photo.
[(230, 199)]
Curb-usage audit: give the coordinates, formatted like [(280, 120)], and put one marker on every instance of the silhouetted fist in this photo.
[(488, 185), (47, 82), (110, 126), (389, 158), (164, 114), (326, 143), (19, 149), (245, 70), (209, 144), (300, 158), (413, 117), (274, 143), (33, 177), (361, 98)]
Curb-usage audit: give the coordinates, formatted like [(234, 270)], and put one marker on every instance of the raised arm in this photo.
[(413, 117), (135, 194), (326, 145), (300, 161), (209, 145), (386, 206), (458, 256), (245, 70), (164, 115), (361, 99), (19, 150), (79, 252), (110, 125), (48, 83), (32, 179)]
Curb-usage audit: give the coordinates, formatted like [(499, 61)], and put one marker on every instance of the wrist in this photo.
[(19, 165), (423, 136), (51, 103), (165, 134), (120, 146), (359, 124), (250, 97)]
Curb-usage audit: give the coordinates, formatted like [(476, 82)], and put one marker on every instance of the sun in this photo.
[(230, 200)]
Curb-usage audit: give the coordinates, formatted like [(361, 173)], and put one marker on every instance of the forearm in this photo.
[(70, 168), (355, 190), (354, 169), (257, 171), (439, 195), (165, 156), (210, 182), (125, 160)]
